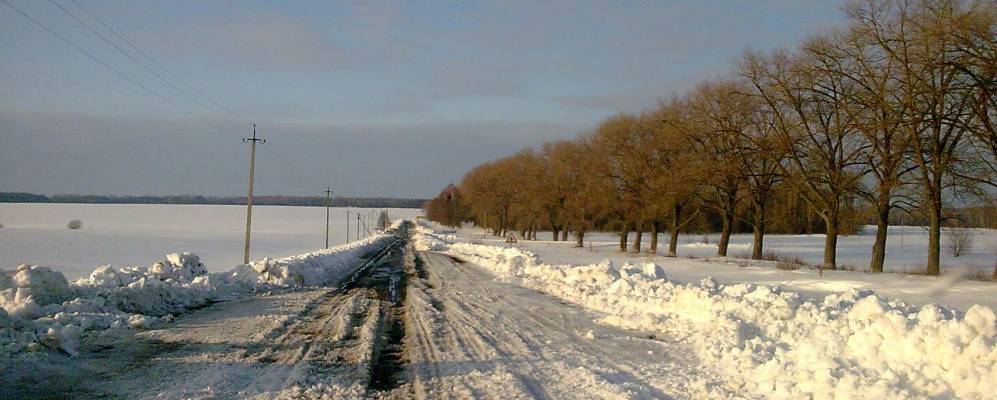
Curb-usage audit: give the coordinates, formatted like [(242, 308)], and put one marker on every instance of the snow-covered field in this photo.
[(486, 319), (906, 248), (129, 235), (953, 289), (836, 341)]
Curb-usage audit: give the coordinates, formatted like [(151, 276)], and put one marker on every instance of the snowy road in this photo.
[(315, 343), (407, 325), (472, 336)]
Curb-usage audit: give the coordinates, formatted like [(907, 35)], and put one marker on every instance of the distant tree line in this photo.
[(891, 114), (310, 201)]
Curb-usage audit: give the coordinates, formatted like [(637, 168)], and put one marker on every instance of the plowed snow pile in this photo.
[(854, 344), (39, 307)]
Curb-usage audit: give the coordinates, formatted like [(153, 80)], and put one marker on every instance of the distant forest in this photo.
[(308, 201)]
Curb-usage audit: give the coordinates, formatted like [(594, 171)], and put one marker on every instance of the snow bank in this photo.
[(855, 344), (316, 268), (424, 238), (38, 307)]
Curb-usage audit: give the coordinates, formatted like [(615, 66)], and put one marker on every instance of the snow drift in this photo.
[(39, 307), (855, 344)]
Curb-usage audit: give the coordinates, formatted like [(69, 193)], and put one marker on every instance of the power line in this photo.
[(122, 51), (111, 68), (99, 61), (153, 60)]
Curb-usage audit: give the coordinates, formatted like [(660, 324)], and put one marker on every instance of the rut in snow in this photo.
[(388, 279)]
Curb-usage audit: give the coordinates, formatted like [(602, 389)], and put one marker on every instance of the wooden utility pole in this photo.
[(328, 195), (249, 199)]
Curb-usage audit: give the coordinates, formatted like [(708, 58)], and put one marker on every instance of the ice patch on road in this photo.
[(854, 344), (39, 307)]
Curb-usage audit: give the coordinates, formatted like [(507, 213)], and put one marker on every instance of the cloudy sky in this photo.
[(373, 98)]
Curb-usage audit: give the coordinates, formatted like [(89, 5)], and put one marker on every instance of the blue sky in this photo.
[(374, 98)]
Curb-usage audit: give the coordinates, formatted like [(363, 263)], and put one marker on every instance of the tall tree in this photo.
[(936, 97), (760, 161), (714, 125), (814, 128), (623, 146), (876, 110), (677, 182)]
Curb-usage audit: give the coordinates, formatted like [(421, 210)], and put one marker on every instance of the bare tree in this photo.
[(876, 110), (936, 97), (714, 125), (623, 143), (383, 220), (577, 165), (813, 128), (677, 185), (760, 165), (960, 240), (975, 54)]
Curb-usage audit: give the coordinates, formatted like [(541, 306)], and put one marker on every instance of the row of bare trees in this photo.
[(894, 111)]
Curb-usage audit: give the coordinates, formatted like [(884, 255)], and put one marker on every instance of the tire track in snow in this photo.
[(496, 340)]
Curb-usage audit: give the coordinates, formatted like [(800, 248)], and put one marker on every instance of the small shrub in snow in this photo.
[(789, 263), (770, 255), (982, 276), (960, 240), (75, 224)]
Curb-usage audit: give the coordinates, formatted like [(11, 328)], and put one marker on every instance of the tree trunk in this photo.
[(654, 238), (934, 239), (638, 235), (580, 238), (555, 232), (758, 241), (831, 221), (879, 246), (624, 234), (730, 202), (725, 232), (564, 235), (673, 242)]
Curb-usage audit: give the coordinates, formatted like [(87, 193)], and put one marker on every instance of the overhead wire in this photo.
[(98, 60), (126, 54), (153, 60)]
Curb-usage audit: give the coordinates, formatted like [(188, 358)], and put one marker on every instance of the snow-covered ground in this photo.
[(906, 247), (129, 235), (466, 335), (485, 319), (697, 261), (473, 336), (778, 334), (39, 308)]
